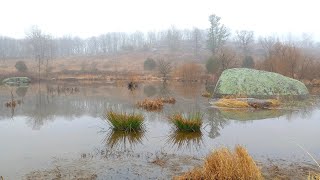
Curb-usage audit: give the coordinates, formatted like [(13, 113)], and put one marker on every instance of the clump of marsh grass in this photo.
[(151, 104), (224, 164), (187, 123), (122, 121)]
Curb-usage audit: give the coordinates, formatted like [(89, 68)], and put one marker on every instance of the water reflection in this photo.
[(121, 140), (216, 122), (149, 90), (251, 114), (185, 140)]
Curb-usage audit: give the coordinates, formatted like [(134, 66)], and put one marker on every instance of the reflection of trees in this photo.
[(121, 140), (149, 90), (187, 89), (185, 140), (164, 90), (22, 91), (216, 122)]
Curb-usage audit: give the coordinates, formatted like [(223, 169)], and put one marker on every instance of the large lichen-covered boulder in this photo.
[(17, 81), (255, 83)]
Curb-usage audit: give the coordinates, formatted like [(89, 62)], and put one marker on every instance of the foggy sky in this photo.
[(94, 17)]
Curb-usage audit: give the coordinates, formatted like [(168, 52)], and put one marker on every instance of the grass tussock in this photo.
[(128, 122), (189, 123), (151, 104), (224, 164)]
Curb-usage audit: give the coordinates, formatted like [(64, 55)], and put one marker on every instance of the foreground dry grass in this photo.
[(224, 164), (313, 176)]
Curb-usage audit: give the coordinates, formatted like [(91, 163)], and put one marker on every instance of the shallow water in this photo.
[(58, 121)]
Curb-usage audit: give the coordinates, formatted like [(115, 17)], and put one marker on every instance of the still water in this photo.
[(59, 121)]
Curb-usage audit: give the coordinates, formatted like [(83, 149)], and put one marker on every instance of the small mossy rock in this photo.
[(17, 81), (243, 82)]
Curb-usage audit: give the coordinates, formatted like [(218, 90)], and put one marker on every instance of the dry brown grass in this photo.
[(151, 104), (246, 103), (231, 103), (313, 176), (224, 164)]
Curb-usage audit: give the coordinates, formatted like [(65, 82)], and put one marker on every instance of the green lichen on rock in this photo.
[(256, 83), (17, 81)]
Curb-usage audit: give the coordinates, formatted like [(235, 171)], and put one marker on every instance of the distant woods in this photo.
[(210, 50)]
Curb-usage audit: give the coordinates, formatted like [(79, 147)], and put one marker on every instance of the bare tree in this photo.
[(40, 46), (165, 68), (267, 44), (244, 39), (217, 34), (173, 38), (196, 38), (226, 58)]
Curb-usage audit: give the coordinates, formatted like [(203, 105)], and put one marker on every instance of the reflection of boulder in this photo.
[(22, 91), (255, 83), (149, 90), (17, 81), (244, 115)]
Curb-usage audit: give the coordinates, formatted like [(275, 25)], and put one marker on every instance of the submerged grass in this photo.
[(155, 104), (206, 94), (169, 100), (122, 121), (224, 164), (187, 123), (247, 103), (151, 104)]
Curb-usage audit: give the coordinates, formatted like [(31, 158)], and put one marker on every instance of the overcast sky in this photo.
[(93, 17)]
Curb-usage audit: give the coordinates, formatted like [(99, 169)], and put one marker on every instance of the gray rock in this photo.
[(243, 82)]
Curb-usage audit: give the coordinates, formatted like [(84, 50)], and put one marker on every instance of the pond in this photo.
[(56, 126)]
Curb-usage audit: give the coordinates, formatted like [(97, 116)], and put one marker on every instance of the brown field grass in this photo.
[(224, 164)]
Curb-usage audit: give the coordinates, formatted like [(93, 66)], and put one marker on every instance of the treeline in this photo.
[(109, 43), (291, 57)]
